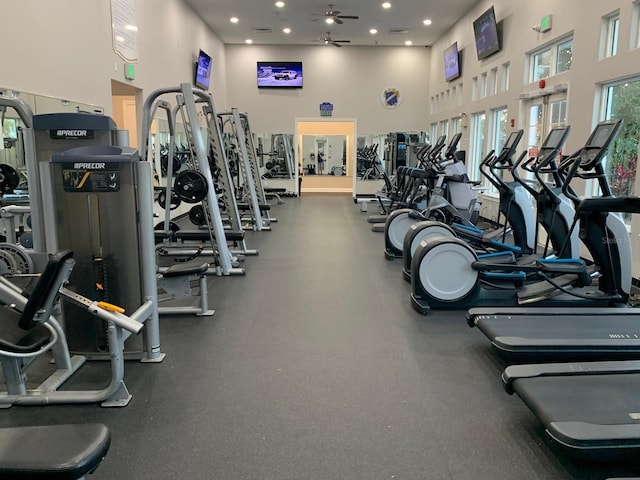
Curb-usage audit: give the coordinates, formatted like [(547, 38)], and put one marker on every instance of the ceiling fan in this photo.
[(333, 16), (328, 40)]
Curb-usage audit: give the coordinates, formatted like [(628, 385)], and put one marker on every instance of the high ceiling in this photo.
[(263, 22)]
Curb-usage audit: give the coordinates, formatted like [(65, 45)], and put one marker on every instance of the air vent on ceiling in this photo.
[(262, 30), (398, 31)]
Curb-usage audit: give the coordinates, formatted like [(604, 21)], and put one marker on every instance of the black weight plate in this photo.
[(191, 186), (175, 200), (9, 178), (196, 215), (173, 226)]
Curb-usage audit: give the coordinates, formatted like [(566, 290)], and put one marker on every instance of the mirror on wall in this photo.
[(10, 148), (276, 160), (370, 164), (324, 155)]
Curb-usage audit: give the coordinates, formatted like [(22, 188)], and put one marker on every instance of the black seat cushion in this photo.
[(54, 452)]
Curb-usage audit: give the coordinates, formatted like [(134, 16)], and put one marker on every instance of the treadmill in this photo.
[(589, 410)]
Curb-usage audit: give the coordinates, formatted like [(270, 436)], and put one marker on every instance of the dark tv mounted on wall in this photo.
[(485, 31), (202, 78), (452, 62), (279, 74)]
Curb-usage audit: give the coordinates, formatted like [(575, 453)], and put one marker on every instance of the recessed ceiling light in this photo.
[(427, 21), (329, 20), (386, 5), (279, 4), (286, 30), (408, 43), (234, 20), (373, 31), (248, 41)]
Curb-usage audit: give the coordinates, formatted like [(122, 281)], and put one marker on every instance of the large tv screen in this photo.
[(279, 74), (451, 63), (203, 71), (485, 31)]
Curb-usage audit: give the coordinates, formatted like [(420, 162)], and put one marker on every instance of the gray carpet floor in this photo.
[(316, 367)]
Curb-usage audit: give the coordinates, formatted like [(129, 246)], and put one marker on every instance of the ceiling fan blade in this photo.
[(342, 41), (337, 20), (336, 44), (350, 17)]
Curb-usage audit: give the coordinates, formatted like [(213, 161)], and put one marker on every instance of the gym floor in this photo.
[(315, 366)]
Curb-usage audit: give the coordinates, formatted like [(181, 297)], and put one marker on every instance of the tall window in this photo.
[(610, 29), (551, 59), (456, 125), (478, 144), (620, 101), (499, 127)]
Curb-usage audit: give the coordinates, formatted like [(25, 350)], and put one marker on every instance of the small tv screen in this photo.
[(485, 31), (451, 63), (279, 74), (203, 71)]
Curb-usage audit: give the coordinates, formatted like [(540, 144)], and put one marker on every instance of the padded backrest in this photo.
[(42, 289)]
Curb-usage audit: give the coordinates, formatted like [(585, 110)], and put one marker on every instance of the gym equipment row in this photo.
[(542, 311), (196, 185), (249, 189)]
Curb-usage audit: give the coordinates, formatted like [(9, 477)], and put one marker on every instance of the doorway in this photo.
[(325, 151), (125, 100)]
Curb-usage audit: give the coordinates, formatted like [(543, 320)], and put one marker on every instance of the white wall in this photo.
[(583, 17), (64, 49), (351, 78)]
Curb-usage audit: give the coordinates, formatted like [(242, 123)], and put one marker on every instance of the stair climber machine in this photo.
[(451, 197), (447, 273), (555, 212)]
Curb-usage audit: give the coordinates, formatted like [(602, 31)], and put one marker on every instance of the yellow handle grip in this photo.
[(111, 307)]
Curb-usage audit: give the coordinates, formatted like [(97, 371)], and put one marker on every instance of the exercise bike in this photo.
[(448, 274)]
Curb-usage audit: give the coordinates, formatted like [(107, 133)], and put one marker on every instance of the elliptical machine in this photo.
[(555, 212), (448, 274), (441, 199)]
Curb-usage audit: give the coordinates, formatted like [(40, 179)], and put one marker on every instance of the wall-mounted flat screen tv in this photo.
[(203, 71), (279, 74), (485, 31), (451, 62)]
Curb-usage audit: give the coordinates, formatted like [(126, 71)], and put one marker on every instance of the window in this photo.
[(444, 127), (620, 101), (504, 79), (493, 81), (499, 125), (477, 145), (541, 65), (551, 59), (635, 25), (564, 56), (610, 28), (456, 125), (482, 88), (434, 132)]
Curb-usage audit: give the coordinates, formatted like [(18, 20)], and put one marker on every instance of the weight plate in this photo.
[(9, 178), (175, 200), (191, 186), (197, 216), (173, 226), (22, 262)]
